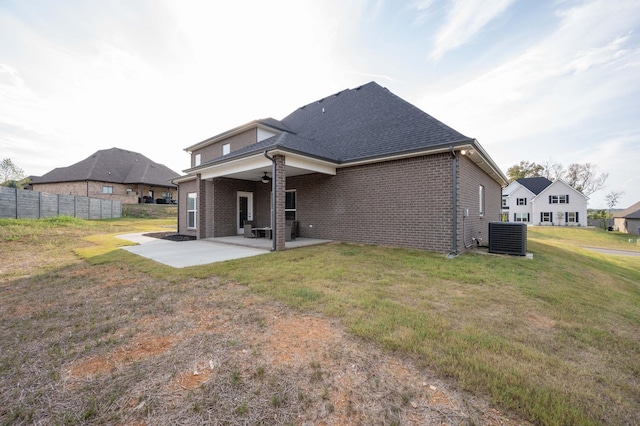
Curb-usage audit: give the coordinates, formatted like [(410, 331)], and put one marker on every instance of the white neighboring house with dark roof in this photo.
[(539, 201), (628, 220), (115, 173)]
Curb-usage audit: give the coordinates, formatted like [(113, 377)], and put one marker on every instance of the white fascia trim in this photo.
[(235, 166), (183, 179), (307, 163)]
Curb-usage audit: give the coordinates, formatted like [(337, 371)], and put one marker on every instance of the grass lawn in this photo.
[(552, 340)]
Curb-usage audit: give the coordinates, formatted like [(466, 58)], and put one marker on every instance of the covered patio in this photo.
[(251, 188)]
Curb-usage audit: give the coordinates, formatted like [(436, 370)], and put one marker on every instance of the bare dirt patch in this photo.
[(111, 345)]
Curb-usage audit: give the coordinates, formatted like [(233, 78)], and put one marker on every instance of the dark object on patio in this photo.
[(290, 230), (171, 236), (248, 232)]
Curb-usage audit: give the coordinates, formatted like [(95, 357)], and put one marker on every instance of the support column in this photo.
[(281, 186), (201, 221)]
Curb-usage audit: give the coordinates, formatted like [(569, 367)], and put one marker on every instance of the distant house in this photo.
[(115, 174), (361, 165), (628, 220), (539, 201)]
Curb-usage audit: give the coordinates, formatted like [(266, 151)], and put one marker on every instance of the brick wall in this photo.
[(185, 189), (225, 205), (396, 203), (404, 203), (94, 189), (470, 177)]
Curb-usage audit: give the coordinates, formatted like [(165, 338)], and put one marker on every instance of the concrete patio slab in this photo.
[(186, 253)]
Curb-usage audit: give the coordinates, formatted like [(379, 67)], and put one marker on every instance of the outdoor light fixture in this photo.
[(466, 151), (265, 178)]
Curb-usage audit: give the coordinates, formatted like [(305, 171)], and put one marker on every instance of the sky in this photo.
[(531, 80)]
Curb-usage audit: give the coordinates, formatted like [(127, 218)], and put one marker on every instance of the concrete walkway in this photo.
[(186, 253), (615, 252)]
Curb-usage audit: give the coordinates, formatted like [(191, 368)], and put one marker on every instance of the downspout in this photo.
[(178, 218), (454, 196), (274, 228)]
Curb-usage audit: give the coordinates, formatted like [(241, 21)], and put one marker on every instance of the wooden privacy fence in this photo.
[(21, 204)]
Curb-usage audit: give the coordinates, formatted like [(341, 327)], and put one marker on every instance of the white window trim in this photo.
[(194, 196), (226, 148), (481, 200)]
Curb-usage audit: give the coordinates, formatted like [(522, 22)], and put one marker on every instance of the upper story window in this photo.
[(226, 148), (107, 189), (505, 203), (521, 201), (197, 159), (558, 199)]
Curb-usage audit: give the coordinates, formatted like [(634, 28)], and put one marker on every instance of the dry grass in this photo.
[(121, 340)]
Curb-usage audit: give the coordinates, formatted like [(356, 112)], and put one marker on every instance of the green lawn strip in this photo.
[(554, 338)]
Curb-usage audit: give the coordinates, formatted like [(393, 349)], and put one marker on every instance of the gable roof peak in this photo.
[(535, 184)]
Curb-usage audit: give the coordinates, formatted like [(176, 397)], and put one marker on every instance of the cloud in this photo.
[(558, 82), (465, 19), (571, 95)]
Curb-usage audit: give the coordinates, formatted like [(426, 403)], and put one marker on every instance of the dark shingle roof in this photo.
[(535, 184), (113, 165), (368, 122), (355, 124), (632, 212)]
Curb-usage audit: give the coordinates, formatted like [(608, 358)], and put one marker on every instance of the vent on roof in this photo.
[(508, 238)]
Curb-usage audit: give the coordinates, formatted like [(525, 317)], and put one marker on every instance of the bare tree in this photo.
[(612, 199), (552, 170), (9, 171), (584, 178)]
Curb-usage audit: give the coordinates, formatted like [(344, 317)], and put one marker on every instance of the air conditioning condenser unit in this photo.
[(508, 238)]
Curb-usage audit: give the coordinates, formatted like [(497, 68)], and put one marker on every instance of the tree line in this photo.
[(582, 177)]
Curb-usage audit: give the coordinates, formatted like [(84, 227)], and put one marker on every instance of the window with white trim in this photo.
[(197, 159), (558, 199), (571, 217), (290, 204), (546, 217), (481, 200), (521, 217), (226, 148), (505, 203), (521, 201), (192, 209), (107, 189)]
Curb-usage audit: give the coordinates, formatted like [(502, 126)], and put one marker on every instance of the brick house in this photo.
[(628, 220), (115, 173), (361, 166)]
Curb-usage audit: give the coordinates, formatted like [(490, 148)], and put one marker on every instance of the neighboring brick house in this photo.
[(115, 173), (539, 201), (361, 166), (628, 220)]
